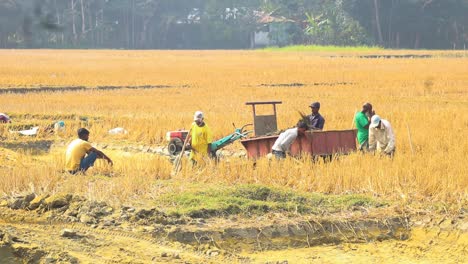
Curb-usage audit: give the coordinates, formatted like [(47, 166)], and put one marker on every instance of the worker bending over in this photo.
[(381, 137), (285, 139), (80, 155)]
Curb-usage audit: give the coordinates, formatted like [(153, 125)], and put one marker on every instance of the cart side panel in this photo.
[(347, 142), (259, 146), (319, 143), (302, 145), (313, 143)]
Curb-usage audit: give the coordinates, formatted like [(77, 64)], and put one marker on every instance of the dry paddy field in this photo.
[(151, 92)]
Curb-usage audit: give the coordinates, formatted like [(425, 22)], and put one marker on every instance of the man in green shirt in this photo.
[(362, 121)]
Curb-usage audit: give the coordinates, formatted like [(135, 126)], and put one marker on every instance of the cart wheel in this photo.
[(175, 146)]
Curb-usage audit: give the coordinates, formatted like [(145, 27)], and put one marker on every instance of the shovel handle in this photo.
[(179, 158)]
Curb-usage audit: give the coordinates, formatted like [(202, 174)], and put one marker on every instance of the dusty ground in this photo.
[(44, 235), (34, 240), (424, 246)]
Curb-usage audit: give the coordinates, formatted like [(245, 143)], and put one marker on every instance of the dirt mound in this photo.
[(67, 208), (71, 229), (62, 228)]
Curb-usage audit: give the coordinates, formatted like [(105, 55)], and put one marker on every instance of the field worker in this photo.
[(315, 120), (4, 118), (362, 121), (381, 137), (80, 155), (200, 139), (285, 139)]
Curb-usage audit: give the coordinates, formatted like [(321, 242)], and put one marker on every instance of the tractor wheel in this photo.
[(175, 146)]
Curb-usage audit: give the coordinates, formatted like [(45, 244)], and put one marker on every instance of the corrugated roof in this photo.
[(264, 18)]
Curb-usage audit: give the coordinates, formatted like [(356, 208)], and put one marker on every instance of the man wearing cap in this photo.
[(285, 139), (315, 121), (381, 137), (362, 121), (80, 155), (200, 139)]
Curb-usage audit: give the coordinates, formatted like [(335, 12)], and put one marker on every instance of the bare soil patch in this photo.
[(49, 89), (72, 229)]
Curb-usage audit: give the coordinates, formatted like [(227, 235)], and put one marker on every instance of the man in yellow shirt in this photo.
[(200, 139), (80, 155)]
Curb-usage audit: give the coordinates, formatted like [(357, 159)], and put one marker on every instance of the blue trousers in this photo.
[(86, 162)]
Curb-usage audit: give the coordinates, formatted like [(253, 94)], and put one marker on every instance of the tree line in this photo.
[(232, 24)]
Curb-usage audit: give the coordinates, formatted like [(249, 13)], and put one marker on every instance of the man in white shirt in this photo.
[(285, 139), (381, 137)]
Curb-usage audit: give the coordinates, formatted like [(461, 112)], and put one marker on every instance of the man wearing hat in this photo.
[(200, 138), (381, 137), (315, 121)]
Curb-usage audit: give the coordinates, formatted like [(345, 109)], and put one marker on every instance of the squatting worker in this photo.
[(362, 121), (200, 139), (80, 155), (315, 120), (381, 137), (285, 139)]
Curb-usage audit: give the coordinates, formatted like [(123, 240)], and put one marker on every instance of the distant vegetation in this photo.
[(324, 48), (233, 24)]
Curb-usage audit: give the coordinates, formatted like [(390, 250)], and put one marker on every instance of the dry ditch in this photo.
[(90, 224), (305, 233)]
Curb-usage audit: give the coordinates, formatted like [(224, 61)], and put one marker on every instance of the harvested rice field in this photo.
[(349, 208)]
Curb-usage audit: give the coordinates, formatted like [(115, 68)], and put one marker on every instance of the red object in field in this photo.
[(316, 143), (179, 134), (176, 141)]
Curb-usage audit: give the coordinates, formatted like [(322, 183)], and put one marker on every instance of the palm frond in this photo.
[(303, 116)]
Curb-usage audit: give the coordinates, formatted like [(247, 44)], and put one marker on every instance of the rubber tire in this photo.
[(175, 146)]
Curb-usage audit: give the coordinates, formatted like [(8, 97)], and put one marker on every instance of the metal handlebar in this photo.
[(242, 128)]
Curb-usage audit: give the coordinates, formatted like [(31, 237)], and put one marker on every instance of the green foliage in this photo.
[(331, 25), (257, 199), (202, 24)]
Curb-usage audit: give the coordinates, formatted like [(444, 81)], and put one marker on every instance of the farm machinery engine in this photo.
[(176, 140)]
